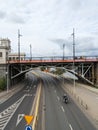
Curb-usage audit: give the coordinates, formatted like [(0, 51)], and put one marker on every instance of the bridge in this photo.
[(85, 67)]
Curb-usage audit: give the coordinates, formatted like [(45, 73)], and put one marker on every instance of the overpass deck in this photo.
[(54, 61)]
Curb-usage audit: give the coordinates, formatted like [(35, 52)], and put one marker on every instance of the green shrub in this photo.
[(2, 83), (59, 71)]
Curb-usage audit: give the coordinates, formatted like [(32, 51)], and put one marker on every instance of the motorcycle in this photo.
[(65, 100)]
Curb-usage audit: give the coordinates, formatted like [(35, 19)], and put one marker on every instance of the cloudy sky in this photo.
[(48, 24)]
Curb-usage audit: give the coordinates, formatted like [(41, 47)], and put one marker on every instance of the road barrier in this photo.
[(77, 97)]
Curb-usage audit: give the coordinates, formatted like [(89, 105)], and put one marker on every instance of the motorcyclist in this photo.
[(65, 97)]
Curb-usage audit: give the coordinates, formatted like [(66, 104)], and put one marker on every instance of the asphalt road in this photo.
[(58, 115), (53, 113), (18, 105)]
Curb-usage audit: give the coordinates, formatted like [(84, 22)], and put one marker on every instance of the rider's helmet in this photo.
[(65, 94)]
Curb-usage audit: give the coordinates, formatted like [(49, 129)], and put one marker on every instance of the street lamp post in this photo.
[(30, 52), (7, 71), (73, 34), (7, 77), (63, 51), (19, 35)]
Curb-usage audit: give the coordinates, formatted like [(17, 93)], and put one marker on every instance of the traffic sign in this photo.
[(28, 119), (28, 127)]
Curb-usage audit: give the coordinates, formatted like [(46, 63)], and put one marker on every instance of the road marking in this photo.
[(5, 98), (20, 117), (62, 109), (55, 91), (58, 98), (70, 127), (34, 86), (28, 95), (10, 112)]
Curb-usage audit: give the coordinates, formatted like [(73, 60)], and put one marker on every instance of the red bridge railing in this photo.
[(58, 59)]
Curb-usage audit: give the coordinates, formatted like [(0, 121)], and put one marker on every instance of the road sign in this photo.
[(28, 119), (28, 127), (20, 117)]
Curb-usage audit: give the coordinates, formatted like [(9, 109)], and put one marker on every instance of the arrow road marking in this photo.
[(9, 112), (70, 127), (20, 117)]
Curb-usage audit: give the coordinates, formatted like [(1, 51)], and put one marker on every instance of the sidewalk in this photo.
[(87, 97), (4, 95)]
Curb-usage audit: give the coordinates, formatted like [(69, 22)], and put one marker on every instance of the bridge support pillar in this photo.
[(96, 74), (93, 76)]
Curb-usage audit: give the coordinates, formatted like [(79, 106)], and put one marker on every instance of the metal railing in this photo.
[(57, 58)]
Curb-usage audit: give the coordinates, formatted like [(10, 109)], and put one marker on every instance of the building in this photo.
[(15, 56), (5, 48), (6, 55)]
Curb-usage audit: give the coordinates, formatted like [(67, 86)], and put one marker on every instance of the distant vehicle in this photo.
[(65, 98)]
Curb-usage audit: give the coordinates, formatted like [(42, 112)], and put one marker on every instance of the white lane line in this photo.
[(58, 98), (62, 109), (34, 86), (70, 127), (4, 119), (55, 91)]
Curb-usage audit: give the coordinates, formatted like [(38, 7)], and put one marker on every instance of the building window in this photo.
[(0, 54)]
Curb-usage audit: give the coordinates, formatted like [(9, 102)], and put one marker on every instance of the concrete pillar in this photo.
[(93, 77), (96, 73)]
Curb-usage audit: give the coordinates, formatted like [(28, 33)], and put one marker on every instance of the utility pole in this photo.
[(73, 34), (73, 46), (19, 35), (7, 70), (7, 76), (30, 52), (63, 50)]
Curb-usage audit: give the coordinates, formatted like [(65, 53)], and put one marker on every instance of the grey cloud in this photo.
[(60, 42), (87, 46), (83, 46), (74, 4), (2, 14), (15, 18)]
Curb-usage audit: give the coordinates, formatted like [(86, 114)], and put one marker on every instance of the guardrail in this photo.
[(77, 97), (54, 58)]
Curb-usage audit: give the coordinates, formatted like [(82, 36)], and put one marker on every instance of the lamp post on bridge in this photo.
[(63, 51), (19, 35), (30, 52), (73, 34), (7, 71)]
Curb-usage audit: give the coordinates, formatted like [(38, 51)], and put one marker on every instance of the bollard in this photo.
[(81, 102), (86, 107)]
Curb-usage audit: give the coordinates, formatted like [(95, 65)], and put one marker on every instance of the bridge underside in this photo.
[(87, 70)]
